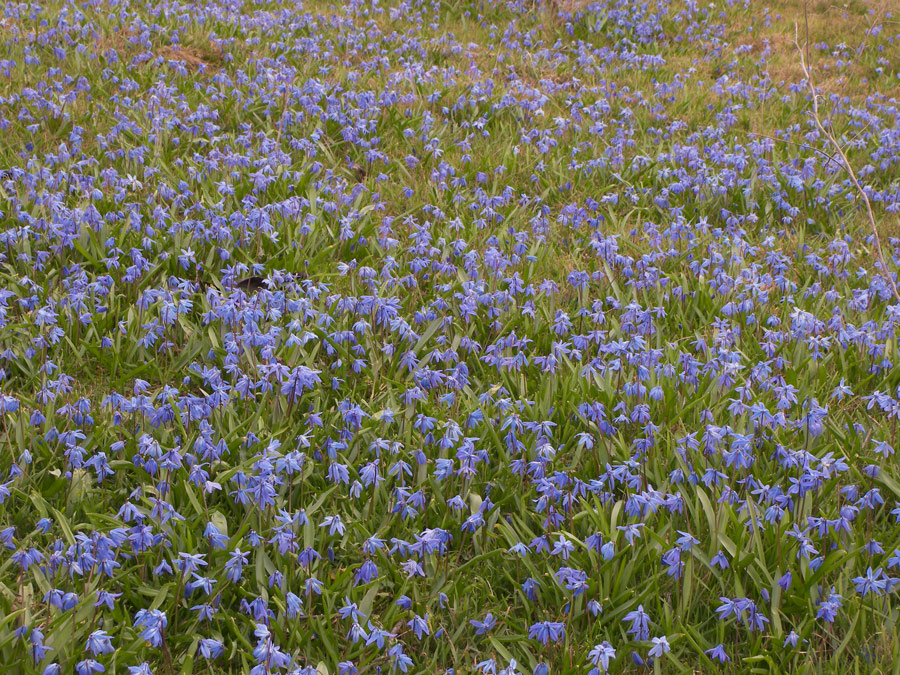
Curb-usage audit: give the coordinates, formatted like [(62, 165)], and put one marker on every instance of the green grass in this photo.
[(288, 136)]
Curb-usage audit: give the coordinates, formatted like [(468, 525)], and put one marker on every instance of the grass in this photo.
[(202, 198)]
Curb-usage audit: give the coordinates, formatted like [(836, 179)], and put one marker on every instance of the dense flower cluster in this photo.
[(424, 336)]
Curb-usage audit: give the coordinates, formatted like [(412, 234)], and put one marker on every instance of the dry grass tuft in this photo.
[(209, 57)]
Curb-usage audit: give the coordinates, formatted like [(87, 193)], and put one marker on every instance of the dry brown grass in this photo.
[(120, 42), (200, 53), (193, 57), (822, 21)]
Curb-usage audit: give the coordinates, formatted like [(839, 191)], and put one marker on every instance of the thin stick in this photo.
[(830, 158), (804, 64)]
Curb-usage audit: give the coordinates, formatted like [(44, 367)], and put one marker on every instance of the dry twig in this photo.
[(807, 72)]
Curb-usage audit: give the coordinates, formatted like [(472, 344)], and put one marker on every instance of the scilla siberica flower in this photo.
[(601, 655), (547, 631), (303, 353), (151, 623), (640, 623), (660, 647)]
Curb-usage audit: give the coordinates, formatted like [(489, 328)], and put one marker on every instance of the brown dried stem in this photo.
[(807, 72)]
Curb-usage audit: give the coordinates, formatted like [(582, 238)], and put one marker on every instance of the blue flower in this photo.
[(718, 653), (99, 642), (660, 647), (874, 582), (602, 654), (152, 623), (547, 631), (210, 648), (640, 623), (485, 625)]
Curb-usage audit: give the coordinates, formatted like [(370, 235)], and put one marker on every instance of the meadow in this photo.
[(510, 337)]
